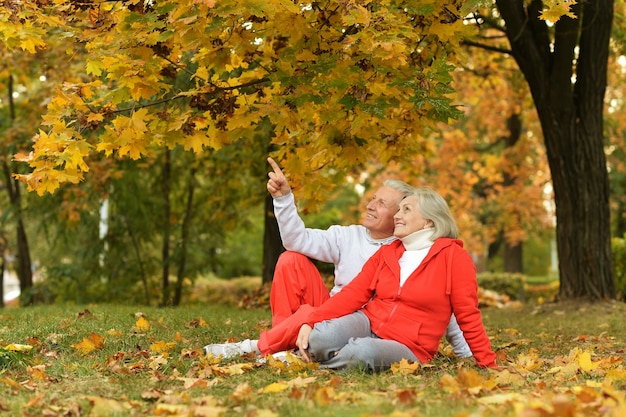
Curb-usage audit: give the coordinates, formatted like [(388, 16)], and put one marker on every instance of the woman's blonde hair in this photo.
[(433, 207)]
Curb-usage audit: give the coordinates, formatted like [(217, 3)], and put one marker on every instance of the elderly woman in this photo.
[(399, 305)]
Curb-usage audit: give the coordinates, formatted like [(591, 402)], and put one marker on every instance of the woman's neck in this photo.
[(419, 240)]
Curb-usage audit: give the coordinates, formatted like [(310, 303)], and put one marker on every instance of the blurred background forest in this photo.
[(149, 230)]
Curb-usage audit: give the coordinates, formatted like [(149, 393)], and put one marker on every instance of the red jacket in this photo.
[(416, 314)]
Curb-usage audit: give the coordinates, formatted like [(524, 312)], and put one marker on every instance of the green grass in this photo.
[(128, 374)]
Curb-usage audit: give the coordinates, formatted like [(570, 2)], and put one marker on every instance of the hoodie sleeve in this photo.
[(353, 296), (464, 299), (315, 243)]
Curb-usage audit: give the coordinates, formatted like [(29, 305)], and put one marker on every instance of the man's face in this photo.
[(380, 210)]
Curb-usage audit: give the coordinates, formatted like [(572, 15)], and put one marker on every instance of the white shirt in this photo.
[(347, 247)]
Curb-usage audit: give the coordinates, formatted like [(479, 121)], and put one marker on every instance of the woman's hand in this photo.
[(303, 341)]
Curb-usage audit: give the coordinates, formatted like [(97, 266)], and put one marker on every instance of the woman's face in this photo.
[(408, 219)]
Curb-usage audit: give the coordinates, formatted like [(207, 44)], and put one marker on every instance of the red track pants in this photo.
[(297, 288)]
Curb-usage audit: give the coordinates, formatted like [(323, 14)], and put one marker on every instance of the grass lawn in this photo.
[(563, 360)]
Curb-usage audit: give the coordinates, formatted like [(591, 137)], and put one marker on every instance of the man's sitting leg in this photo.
[(296, 282)]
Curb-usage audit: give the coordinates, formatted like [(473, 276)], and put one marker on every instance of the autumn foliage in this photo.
[(338, 81)]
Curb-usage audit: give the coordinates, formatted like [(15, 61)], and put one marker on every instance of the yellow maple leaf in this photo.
[(449, 384), (95, 67), (16, 347), (556, 9), (171, 410), (194, 382), (162, 347), (236, 369), (616, 374), (585, 362), (405, 367), (31, 44), (142, 324), (471, 380), (273, 388), (38, 372), (114, 332)]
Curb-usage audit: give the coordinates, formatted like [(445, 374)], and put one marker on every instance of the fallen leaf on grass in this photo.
[(405, 367), (37, 372), (197, 382), (142, 324), (88, 345), (209, 411), (156, 362), (407, 396), (172, 410), (291, 362), (10, 383), (195, 323), (585, 362), (242, 392), (273, 388), (105, 407), (508, 379), (467, 380), (114, 333), (282, 386), (152, 394), (265, 413), (162, 347), (324, 396), (16, 347), (502, 398), (616, 375)]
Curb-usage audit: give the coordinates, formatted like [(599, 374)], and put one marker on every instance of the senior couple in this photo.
[(402, 282)]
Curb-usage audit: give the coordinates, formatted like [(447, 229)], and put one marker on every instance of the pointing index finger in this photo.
[(275, 167)]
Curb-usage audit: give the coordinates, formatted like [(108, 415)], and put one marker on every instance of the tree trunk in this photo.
[(24, 264), (513, 256), (272, 244), (571, 115), (3, 247), (167, 212), (191, 186), (137, 250)]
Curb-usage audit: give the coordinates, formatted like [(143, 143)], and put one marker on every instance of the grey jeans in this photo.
[(348, 342)]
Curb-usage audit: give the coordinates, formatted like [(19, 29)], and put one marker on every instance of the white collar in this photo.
[(419, 240), (379, 242)]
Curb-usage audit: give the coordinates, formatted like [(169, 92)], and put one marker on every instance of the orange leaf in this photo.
[(88, 345)]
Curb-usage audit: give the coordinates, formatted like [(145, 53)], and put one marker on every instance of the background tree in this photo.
[(565, 65)]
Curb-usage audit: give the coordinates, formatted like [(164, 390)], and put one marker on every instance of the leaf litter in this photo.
[(588, 378)]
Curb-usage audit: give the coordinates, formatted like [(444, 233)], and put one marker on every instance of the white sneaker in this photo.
[(229, 350)]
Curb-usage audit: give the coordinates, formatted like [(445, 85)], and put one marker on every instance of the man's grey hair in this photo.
[(433, 207), (400, 186)]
